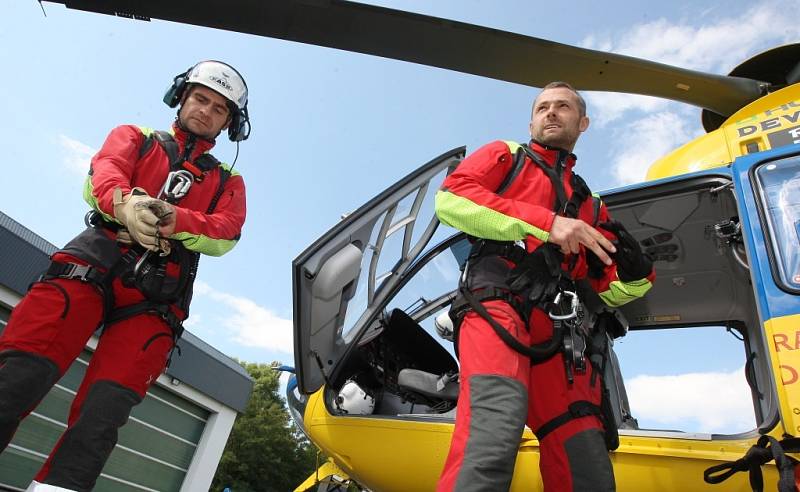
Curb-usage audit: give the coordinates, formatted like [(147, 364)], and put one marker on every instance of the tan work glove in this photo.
[(124, 237), (133, 212), (165, 212)]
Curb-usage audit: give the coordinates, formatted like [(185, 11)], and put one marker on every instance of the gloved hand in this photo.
[(135, 215), (535, 272), (165, 212), (124, 237), (632, 262)]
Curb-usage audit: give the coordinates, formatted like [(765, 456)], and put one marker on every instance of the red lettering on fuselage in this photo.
[(781, 339), (792, 375)]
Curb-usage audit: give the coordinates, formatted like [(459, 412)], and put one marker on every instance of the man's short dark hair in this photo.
[(558, 84)]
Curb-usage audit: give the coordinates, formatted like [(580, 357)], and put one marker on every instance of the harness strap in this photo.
[(766, 449), (505, 249), (85, 273), (519, 163), (163, 311), (580, 190), (73, 271), (170, 146), (576, 410), (537, 353)]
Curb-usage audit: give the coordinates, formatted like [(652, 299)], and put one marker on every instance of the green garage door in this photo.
[(154, 450)]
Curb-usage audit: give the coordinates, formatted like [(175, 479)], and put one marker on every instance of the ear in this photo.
[(530, 128), (583, 124), (186, 94)]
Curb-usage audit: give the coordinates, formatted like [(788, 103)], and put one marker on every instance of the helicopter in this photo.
[(719, 216)]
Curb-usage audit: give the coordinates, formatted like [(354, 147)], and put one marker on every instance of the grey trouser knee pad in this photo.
[(24, 380), (87, 444)]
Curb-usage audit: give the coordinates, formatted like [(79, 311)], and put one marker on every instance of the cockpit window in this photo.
[(778, 184)]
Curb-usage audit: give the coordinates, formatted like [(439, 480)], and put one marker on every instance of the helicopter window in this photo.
[(779, 193), (395, 239), (689, 379), (437, 278)]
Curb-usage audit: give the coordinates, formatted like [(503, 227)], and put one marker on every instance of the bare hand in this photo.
[(570, 234)]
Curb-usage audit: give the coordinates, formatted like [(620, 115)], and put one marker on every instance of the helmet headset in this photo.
[(223, 79)]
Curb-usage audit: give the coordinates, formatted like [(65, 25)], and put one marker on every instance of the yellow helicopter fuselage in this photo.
[(747, 131), (393, 455)]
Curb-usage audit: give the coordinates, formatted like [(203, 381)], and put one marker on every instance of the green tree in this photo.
[(265, 451)]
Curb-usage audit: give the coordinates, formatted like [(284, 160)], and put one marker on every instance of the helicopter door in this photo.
[(767, 187), (340, 281)]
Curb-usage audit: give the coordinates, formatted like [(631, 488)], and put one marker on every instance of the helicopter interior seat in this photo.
[(411, 361), (437, 387)]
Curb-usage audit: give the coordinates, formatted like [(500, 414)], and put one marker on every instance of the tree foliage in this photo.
[(265, 451)]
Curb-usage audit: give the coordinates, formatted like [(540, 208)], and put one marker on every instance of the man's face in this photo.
[(556, 120), (204, 112)]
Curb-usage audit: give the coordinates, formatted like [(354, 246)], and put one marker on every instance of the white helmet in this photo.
[(353, 400), (444, 325), (222, 78)]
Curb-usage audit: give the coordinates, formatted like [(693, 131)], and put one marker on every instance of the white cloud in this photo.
[(250, 324), (652, 127), (717, 46), (712, 401), (639, 143), (77, 155)]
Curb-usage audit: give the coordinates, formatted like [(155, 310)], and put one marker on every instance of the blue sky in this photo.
[(330, 128)]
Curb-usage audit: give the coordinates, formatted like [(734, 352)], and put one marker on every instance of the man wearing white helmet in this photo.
[(158, 200)]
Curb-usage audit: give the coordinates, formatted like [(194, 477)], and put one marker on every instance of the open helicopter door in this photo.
[(767, 187), (350, 265)]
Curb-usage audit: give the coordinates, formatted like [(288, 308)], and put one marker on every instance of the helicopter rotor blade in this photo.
[(446, 44)]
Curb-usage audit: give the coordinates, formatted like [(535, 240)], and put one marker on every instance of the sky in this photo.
[(331, 129)]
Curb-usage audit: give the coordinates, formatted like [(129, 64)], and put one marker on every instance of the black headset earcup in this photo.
[(175, 91), (235, 127), (239, 128)]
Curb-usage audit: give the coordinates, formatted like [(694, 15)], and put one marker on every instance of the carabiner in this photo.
[(573, 306), (177, 185)]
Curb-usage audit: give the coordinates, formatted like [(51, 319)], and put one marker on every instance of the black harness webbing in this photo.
[(568, 207), (564, 333), (189, 260), (765, 450), (73, 271), (160, 306), (537, 353), (576, 410), (580, 190)]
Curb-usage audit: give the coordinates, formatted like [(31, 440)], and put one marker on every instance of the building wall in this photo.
[(172, 442)]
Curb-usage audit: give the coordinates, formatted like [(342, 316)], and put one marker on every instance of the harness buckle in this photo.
[(74, 271), (573, 306)]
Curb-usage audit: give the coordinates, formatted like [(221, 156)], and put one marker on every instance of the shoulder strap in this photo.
[(580, 190), (558, 186), (596, 203), (207, 162), (224, 174), (146, 145), (170, 146), (519, 162)]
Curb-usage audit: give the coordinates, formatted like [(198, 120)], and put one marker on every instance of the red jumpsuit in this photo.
[(49, 328), (500, 391)]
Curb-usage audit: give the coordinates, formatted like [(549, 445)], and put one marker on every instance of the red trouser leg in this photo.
[(129, 357), (45, 333), (573, 456), (54, 320), (492, 402)]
